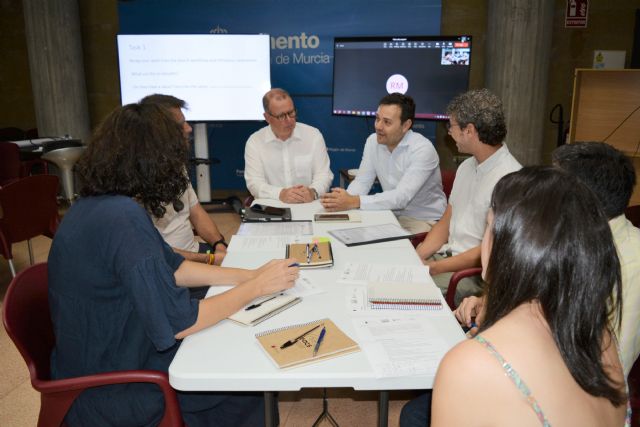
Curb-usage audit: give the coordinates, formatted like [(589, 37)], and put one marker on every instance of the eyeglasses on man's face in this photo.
[(283, 116)]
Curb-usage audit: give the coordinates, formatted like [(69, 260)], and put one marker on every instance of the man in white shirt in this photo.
[(286, 160), (176, 226), (478, 127), (405, 163)]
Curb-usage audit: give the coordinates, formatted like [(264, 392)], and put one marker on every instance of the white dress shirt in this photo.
[(409, 176), (627, 240), (175, 227), (271, 164), (471, 196)]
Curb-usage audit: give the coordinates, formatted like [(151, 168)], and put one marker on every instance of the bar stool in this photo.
[(64, 153)]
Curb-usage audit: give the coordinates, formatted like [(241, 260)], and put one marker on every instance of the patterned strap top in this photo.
[(522, 386)]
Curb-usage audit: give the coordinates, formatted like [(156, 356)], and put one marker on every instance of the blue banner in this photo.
[(301, 34)]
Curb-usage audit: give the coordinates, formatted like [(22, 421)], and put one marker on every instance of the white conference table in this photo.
[(227, 357)]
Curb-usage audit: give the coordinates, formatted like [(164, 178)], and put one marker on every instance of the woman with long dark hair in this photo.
[(118, 293), (544, 353)]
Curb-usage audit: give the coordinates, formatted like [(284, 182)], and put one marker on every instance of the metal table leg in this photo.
[(383, 408), (270, 403)]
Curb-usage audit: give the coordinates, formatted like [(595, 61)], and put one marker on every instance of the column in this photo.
[(56, 66), (517, 69)]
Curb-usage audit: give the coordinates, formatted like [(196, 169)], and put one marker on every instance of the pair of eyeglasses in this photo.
[(289, 114)]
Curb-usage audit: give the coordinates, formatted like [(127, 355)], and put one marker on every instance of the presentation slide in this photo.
[(220, 76)]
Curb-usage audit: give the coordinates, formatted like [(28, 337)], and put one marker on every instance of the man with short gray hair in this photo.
[(286, 160)]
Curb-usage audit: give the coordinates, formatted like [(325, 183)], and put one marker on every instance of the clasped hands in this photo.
[(297, 194), (339, 200)]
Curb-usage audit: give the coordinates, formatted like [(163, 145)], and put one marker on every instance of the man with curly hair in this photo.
[(477, 125), (176, 226)]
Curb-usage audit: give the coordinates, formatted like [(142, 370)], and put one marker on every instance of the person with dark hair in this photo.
[(286, 160), (477, 125), (176, 225), (544, 353), (611, 176), (405, 163), (118, 293)]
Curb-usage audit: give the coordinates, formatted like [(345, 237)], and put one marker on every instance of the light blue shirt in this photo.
[(409, 176)]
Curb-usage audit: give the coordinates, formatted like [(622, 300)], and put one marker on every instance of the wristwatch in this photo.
[(315, 194), (219, 242)]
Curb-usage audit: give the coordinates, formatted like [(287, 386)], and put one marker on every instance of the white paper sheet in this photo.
[(304, 287), (400, 345), (362, 273), (262, 243), (287, 228), (356, 298)]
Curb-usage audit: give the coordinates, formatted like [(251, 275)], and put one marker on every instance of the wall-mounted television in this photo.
[(431, 69), (220, 76)]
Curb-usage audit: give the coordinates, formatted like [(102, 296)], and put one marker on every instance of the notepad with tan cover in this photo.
[(322, 257), (336, 343)]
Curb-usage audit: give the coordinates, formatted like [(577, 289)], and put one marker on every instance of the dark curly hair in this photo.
[(484, 109), (552, 244), (137, 151)]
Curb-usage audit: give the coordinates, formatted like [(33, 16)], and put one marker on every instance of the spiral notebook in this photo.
[(403, 296), (299, 342), (311, 255)]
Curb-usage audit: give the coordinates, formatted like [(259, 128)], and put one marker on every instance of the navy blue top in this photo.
[(114, 305)]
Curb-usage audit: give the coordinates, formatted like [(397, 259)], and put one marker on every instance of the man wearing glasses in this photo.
[(286, 160)]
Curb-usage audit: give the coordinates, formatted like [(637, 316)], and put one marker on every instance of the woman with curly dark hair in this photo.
[(544, 353), (118, 293)]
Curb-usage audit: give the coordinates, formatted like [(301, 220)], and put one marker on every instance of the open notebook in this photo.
[(404, 296), (294, 345)]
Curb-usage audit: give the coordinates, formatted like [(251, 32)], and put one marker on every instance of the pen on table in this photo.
[(320, 338), (252, 306), (295, 340), (309, 254), (316, 249), (295, 264)]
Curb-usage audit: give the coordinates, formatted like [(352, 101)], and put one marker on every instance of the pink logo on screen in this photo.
[(397, 83)]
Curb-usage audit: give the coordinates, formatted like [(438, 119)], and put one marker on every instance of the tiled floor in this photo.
[(19, 403)]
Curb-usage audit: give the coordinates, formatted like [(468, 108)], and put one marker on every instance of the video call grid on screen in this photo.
[(430, 69), (233, 70)]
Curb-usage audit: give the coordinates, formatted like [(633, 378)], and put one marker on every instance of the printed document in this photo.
[(398, 346), (304, 287), (293, 228), (363, 273), (261, 243)]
